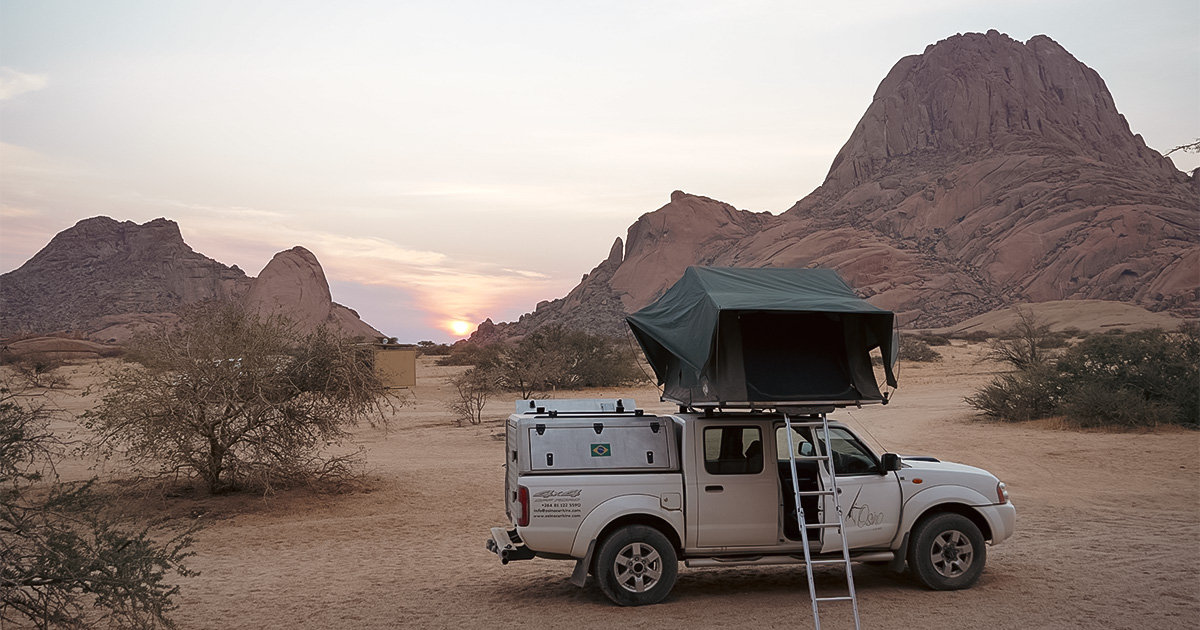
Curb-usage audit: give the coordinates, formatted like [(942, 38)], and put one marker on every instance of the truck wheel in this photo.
[(636, 566), (947, 552)]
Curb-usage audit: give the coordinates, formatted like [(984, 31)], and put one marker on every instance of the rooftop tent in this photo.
[(723, 337)]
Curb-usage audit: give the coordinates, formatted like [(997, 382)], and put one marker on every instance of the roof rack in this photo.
[(776, 405), (577, 405)]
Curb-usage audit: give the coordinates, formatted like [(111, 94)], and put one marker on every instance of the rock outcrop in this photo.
[(102, 268), (985, 172), (107, 280), (1010, 163), (658, 247), (293, 284)]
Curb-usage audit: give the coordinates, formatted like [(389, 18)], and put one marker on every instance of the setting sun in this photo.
[(460, 327)]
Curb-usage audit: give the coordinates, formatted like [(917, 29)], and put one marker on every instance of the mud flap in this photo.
[(897, 563), (579, 575)]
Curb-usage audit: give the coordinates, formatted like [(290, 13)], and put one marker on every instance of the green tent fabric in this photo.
[(728, 337)]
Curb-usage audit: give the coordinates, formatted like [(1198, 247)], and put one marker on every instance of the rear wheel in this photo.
[(636, 566), (947, 552)]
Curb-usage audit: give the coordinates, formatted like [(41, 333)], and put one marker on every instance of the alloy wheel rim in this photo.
[(637, 567), (952, 553)]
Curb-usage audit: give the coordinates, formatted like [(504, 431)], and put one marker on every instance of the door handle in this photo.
[(714, 488)]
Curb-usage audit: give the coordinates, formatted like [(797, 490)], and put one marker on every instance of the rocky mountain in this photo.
[(985, 172), (293, 284), (106, 279)]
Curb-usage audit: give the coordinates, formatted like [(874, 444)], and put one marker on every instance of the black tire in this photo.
[(636, 566), (947, 552)]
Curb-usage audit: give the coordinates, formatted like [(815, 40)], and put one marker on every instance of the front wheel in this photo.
[(636, 566), (947, 552)]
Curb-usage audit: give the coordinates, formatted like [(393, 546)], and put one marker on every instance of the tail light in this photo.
[(1002, 492), (523, 500)]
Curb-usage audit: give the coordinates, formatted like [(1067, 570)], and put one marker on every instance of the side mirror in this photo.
[(891, 462)]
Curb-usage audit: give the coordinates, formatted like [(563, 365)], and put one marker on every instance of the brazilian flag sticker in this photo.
[(601, 450)]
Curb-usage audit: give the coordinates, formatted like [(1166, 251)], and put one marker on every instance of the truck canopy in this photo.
[(725, 337)]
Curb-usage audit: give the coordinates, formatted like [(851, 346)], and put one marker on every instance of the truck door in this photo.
[(870, 500), (736, 494)]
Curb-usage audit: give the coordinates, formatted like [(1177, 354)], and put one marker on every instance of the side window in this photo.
[(799, 441), (850, 457), (733, 451)]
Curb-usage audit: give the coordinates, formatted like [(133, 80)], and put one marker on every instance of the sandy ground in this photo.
[(1107, 537)]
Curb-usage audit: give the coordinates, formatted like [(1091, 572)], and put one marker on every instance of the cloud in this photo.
[(527, 274), (13, 83), (443, 287)]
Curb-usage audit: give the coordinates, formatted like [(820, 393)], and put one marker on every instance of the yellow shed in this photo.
[(396, 365)]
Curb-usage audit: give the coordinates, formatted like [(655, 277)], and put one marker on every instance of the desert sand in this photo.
[(1107, 536)]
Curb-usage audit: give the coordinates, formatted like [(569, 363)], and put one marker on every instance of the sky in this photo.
[(455, 161)]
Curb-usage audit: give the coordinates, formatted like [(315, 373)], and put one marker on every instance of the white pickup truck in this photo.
[(628, 495)]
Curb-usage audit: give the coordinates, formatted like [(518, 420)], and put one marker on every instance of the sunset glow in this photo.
[(453, 162)]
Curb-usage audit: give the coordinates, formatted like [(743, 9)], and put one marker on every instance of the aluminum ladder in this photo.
[(824, 458)]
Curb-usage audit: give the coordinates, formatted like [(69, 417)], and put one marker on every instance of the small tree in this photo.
[(1024, 345), (429, 348), (472, 390), (63, 564), (239, 401), (554, 357), (527, 368), (39, 369)]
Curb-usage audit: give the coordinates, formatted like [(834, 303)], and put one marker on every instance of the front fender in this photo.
[(617, 507), (920, 503)]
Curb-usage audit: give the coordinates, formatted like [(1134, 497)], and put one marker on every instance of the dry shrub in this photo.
[(1096, 405), (1023, 395), (1026, 344), (1143, 378), (472, 389), (65, 562), (552, 358), (934, 340), (1140, 378), (916, 349), (39, 369), (239, 401), (977, 336)]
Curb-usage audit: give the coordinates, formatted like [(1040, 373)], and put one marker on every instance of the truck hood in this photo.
[(950, 473)]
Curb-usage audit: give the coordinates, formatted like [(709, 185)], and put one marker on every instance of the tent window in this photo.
[(733, 451), (795, 356)]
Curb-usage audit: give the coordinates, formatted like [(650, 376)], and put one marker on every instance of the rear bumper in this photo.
[(508, 545)]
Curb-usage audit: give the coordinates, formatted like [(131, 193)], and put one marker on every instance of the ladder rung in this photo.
[(829, 562), (814, 493), (835, 599), (811, 458), (822, 526), (808, 423)]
